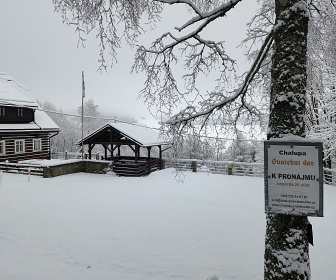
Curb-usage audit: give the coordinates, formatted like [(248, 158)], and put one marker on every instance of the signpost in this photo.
[(294, 178)]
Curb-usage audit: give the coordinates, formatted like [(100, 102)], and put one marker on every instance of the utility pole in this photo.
[(83, 95)]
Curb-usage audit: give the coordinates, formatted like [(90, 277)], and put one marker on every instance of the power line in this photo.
[(141, 125), (132, 123), (93, 117)]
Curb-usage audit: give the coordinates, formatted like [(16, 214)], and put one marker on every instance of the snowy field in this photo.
[(102, 227)]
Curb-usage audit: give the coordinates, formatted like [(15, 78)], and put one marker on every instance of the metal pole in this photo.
[(83, 95), (82, 128)]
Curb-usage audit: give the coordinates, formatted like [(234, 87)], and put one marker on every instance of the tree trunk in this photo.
[(286, 242)]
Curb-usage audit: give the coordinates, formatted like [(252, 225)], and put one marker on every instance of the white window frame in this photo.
[(3, 147), (37, 145), (20, 112), (2, 111), (16, 144)]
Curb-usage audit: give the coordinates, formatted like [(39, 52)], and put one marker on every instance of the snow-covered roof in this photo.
[(13, 93), (44, 121), (142, 135), (145, 136)]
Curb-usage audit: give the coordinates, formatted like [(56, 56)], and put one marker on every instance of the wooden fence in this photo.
[(329, 176), (233, 168), (21, 168), (217, 167), (67, 155)]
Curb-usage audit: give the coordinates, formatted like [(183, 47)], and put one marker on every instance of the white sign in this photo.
[(293, 178)]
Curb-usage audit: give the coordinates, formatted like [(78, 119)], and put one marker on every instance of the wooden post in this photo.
[(163, 164), (90, 150), (105, 148), (194, 166), (149, 158), (230, 167), (149, 152), (28, 173), (136, 153)]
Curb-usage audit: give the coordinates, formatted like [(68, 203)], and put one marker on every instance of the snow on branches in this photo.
[(110, 20), (181, 61), (200, 56)]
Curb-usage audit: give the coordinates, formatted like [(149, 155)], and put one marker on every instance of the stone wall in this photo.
[(87, 166)]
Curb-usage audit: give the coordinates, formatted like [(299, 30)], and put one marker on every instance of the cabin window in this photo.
[(37, 145), (2, 111), (20, 112), (19, 146), (2, 148)]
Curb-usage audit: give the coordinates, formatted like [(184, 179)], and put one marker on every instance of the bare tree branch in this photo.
[(187, 2), (186, 115), (206, 17), (209, 16)]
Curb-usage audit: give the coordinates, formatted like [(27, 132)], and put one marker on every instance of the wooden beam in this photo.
[(122, 143), (165, 148), (133, 149), (106, 147)]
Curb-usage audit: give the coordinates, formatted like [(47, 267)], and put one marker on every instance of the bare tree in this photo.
[(278, 71), (92, 117), (69, 132), (322, 79)]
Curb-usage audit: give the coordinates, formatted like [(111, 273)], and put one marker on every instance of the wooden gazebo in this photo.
[(140, 140)]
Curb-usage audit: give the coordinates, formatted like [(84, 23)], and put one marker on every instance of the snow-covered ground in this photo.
[(102, 227)]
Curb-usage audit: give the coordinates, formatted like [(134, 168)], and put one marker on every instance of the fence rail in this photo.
[(215, 167), (233, 168), (329, 176)]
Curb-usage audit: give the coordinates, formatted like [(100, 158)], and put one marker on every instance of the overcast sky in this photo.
[(41, 52)]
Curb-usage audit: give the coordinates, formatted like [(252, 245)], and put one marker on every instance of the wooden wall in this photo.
[(10, 154)]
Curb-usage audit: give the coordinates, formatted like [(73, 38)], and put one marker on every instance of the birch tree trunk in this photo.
[(286, 242)]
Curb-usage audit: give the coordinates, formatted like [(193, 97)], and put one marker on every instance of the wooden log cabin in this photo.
[(25, 130), (145, 147)]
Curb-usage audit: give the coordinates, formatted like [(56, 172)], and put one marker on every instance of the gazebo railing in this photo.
[(128, 166)]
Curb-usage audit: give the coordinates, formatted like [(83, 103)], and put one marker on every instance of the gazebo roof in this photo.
[(118, 132)]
